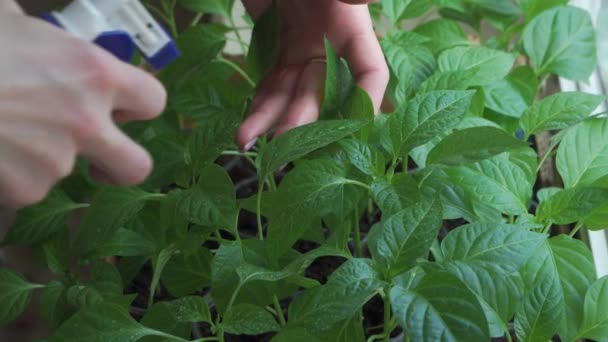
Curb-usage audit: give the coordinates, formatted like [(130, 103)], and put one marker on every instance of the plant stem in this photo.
[(279, 310), (387, 317), (196, 19), (547, 227), (357, 228), (436, 251), (511, 219), (375, 337), (239, 153), (259, 210), (238, 69), (357, 183), (576, 229)]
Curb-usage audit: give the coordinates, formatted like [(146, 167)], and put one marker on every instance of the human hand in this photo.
[(59, 97), (292, 92)]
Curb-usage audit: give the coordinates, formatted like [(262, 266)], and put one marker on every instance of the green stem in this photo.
[(547, 227), (511, 219), (576, 229), (387, 318), (279, 310), (357, 183), (357, 228), (196, 19), (436, 251), (239, 153), (205, 339), (375, 337), (259, 210), (238, 69)]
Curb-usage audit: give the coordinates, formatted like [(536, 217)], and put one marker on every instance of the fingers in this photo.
[(116, 157), (270, 104), (357, 2), (367, 63), (307, 100)]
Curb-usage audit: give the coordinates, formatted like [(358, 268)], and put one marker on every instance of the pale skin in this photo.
[(61, 97)]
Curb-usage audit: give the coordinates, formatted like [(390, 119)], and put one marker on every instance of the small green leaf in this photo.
[(300, 141), (569, 50), (339, 84), (53, 304), (440, 308), (487, 65), (212, 201), (502, 248), (572, 205), (124, 242), (264, 48), (443, 33), (446, 80), (471, 145), (398, 241), (249, 319), (221, 7), (36, 223), (102, 323), (15, 295), (582, 157), (512, 95), (559, 111), (395, 195), (532, 8), (595, 323), (106, 278)]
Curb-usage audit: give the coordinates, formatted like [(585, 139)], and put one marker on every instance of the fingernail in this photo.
[(250, 144)]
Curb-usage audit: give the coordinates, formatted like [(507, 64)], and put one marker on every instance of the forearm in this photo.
[(9, 6)]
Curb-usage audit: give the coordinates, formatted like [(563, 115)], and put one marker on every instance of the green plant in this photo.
[(434, 210)]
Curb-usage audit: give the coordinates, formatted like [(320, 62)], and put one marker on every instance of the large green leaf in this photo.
[(486, 65), (212, 201), (443, 33), (186, 273), (426, 116), (53, 304), (124, 242), (595, 323), (569, 50), (471, 145), (559, 111), (264, 47), (15, 295), (300, 141), (111, 209), (542, 309), (502, 248), (582, 157), (102, 323), (312, 190), (440, 308), (396, 194), (512, 95), (532, 8), (347, 290), (573, 205), (397, 242), (38, 222)]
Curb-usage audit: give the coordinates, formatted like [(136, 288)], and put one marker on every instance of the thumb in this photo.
[(10, 6), (357, 2)]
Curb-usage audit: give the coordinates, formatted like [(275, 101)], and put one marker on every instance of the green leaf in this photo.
[(339, 84), (595, 323), (111, 209), (15, 295), (199, 45), (106, 278), (443, 33), (161, 317), (81, 296), (512, 95), (38, 222), (574, 264), (559, 111), (300, 141), (191, 309), (221, 7), (212, 201), (57, 253), (395, 195), (569, 50), (53, 304), (102, 323), (472, 145), (446, 80), (211, 137), (295, 334), (168, 153), (395, 9), (582, 157), (532, 8), (440, 308), (249, 319), (542, 309), (426, 116), (264, 48), (486, 65), (501, 248), (124, 242), (159, 262), (402, 238), (347, 290), (186, 273), (572, 205), (309, 192), (362, 156), (409, 60)]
